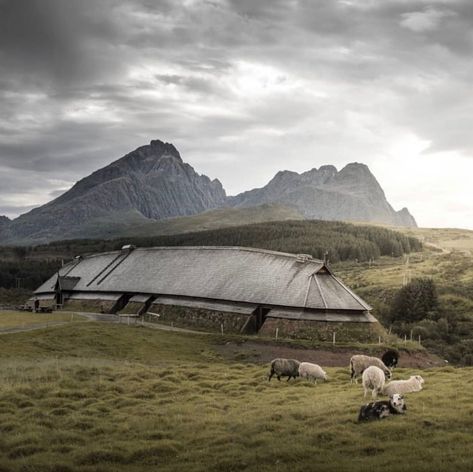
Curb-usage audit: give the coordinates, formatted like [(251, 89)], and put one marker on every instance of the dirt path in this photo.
[(336, 357)]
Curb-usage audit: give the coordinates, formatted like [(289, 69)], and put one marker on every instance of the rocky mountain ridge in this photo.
[(353, 193), (153, 183)]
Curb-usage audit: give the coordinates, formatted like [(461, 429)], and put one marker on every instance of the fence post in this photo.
[(333, 337), (221, 328), (379, 340), (405, 338), (277, 333)]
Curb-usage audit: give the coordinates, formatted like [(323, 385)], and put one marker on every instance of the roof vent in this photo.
[(128, 247), (303, 258)]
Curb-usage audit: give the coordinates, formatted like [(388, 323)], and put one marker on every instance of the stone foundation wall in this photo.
[(197, 318), (322, 330)]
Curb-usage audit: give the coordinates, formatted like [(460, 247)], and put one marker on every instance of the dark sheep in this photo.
[(379, 410), (390, 358), (284, 368)]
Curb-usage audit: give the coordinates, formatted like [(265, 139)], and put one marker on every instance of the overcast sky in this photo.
[(243, 88)]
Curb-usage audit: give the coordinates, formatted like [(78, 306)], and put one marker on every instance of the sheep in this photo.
[(311, 371), (390, 358), (359, 362), (379, 410), (373, 379), (413, 384), (284, 368)]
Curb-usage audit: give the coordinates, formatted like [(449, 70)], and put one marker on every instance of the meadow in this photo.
[(91, 396)]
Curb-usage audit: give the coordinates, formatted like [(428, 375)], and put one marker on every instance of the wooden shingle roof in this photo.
[(235, 274)]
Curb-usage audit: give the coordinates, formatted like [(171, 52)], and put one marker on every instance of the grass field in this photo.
[(106, 397), (18, 319)]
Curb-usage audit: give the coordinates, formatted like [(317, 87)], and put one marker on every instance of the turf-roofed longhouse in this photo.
[(240, 289)]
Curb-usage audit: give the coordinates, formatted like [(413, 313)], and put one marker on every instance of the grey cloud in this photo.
[(82, 54)]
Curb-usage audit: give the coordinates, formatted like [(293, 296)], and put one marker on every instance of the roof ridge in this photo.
[(234, 248)]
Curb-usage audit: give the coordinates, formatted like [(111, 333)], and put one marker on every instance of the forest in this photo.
[(27, 267)]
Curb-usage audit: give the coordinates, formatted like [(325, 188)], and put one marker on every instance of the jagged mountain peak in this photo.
[(353, 193), (150, 183)]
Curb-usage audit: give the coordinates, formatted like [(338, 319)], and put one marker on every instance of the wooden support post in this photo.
[(333, 337), (221, 328), (277, 333)]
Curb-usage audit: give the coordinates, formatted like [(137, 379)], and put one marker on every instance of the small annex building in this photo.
[(239, 289)]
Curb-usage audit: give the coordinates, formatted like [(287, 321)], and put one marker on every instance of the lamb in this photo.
[(311, 371), (379, 410), (373, 379), (359, 363), (413, 384), (284, 368), (390, 358)]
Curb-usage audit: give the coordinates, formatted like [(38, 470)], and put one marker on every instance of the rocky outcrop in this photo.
[(150, 183), (352, 193)]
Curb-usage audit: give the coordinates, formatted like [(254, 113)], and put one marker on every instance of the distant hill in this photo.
[(351, 194), (148, 190)]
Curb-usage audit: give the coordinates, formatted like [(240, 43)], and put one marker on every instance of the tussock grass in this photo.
[(149, 400)]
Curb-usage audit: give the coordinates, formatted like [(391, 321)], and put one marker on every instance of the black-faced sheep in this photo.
[(413, 384), (379, 410), (373, 379), (390, 358), (311, 371), (359, 363), (284, 368)]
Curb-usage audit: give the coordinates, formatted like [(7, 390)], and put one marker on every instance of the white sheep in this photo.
[(413, 384), (360, 362), (373, 379), (310, 371)]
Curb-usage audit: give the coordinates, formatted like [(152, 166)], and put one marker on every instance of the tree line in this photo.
[(339, 241)]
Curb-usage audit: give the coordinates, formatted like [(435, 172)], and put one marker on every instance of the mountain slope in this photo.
[(353, 193), (142, 191), (147, 184)]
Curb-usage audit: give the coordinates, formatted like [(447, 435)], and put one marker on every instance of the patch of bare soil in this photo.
[(262, 353)]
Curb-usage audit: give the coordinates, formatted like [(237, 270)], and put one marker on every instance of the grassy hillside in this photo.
[(447, 259), (134, 224), (105, 397)]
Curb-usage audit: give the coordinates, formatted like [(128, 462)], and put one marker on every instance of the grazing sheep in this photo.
[(413, 384), (373, 379), (390, 358), (284, 368), (311, 371), (360, 362), (379, 410)]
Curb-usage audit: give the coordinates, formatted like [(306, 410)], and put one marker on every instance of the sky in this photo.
[(243, 89)]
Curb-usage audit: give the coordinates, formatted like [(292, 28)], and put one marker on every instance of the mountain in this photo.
[(352, 193), (144, 192), (148, 184), (4, 221)]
